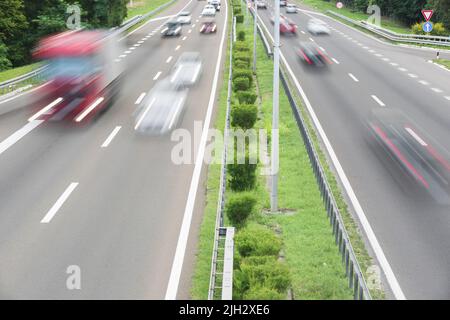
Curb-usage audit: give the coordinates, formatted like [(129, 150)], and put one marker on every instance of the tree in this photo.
[(4, 61)]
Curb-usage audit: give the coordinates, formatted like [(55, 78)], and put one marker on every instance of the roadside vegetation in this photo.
[(444, 62), (401, 16), (142, 7), (16, 72)]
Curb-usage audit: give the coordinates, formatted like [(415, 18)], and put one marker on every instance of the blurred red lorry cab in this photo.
[(84, 75)]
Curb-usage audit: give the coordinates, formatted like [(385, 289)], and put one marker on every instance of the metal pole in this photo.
[(254, 37), (275, 113)]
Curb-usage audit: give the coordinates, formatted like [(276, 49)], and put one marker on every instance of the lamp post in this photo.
[(275, 111)]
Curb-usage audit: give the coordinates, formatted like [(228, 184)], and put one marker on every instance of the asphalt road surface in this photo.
[(124, 203), (368, 74)]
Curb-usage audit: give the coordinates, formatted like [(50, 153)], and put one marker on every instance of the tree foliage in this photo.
[(24, 22)]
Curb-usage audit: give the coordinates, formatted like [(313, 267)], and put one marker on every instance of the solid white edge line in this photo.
[(58, 204), (175, 274), (377, 100), (384, 263), (19, 134), (140, 98), (111, 136)]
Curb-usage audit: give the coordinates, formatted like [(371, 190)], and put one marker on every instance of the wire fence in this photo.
[(353, 271), (218, 237)]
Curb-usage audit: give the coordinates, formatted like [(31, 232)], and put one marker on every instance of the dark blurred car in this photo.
[(412, 153), (172, 29), (311, 54), (208, 27), (162, 109)]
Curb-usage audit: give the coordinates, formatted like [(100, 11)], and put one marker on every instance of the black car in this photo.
[(171, 29), (311, 54)]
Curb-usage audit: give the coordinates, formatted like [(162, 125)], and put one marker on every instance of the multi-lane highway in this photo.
[(409, 236), (100, 197)]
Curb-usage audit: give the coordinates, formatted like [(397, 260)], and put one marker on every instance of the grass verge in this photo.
[(143, 6), (309, 248), (17, 72), (443, 62)]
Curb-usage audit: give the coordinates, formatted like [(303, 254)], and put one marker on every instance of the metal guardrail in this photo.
[(223, 181), (352, 269), (39, 74), (23, 80), (397, 37)]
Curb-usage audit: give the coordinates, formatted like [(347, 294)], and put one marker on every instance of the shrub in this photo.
[(242, 177), (237, 10), (241, 84), (257, 240), (439, 29), (241, 46), (243, 72), (246, 97), (242, 56), (239, 207), (261, 278), (270, 273), (262, 293), (244, 116), (239, 18), (239, 64), (417, 29), (241, 35)]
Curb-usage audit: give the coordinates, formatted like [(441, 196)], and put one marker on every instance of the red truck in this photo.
[(84, 75)]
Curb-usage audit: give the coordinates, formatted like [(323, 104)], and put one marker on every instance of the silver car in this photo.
[(291, 8), (162, 109), (316, 26), (187, 69)]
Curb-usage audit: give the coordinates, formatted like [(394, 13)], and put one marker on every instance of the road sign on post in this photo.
[(427, 27), (427, 14)]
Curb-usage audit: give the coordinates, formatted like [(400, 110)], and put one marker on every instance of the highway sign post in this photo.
[(427, 14), (427, 27)]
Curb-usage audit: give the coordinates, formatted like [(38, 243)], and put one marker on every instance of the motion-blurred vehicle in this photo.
[(172, 29), (291, 8), (261, 4), (208, 26), (411, 152), (283, 3), (287, 26), (184, 17), (215, 3), (162, 108), (316, 26), (311, 54), (187, 69), (209, 10), (84, 77)]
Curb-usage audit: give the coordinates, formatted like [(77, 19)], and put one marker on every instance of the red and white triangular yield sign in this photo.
[(427, 14)]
